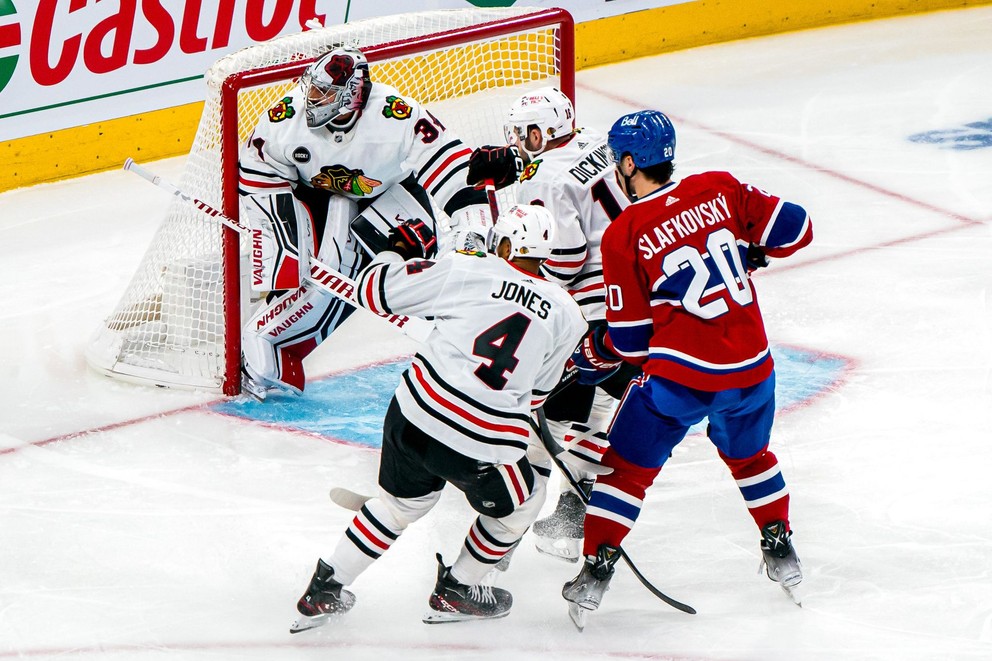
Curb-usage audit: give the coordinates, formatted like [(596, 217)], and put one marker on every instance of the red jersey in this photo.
[(679, 299)]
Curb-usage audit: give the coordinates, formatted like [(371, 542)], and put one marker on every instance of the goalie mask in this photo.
[(546, 108), (530, 229), (335, 85)]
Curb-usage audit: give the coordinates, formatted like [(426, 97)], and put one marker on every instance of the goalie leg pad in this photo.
[(282, 234), (278, 337)]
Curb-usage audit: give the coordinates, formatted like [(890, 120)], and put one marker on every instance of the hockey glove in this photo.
[(755, 257), (594, 359), (501, 164), (412, 239)]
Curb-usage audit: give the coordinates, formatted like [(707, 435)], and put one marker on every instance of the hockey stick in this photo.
[(549, 442), (493, 201), (348, 499), (321, 275)]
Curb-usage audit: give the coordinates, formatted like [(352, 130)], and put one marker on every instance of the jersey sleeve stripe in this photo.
[(448, 176), (788, 226), (370, 290), (439, 154), (445, 165), (631, 338)]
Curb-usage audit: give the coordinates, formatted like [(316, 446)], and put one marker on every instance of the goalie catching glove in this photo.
[(501, 164), (412, 239), (594, 358)]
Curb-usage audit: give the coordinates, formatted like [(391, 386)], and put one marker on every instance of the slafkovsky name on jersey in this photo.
[(683, 224)]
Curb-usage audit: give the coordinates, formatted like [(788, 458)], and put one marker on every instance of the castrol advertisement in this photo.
[(64, 63), (67, 63)]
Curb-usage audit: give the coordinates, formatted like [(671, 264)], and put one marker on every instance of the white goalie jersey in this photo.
[(576, 182), (499, 347), (394, 138)]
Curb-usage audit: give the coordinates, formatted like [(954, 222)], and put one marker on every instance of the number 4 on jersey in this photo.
[(497, 344)]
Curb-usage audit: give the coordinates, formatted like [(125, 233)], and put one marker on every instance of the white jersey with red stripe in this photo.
[(499, 346), (576, 181), (394, 138)]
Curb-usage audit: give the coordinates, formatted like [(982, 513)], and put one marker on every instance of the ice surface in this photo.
[(139, 523)]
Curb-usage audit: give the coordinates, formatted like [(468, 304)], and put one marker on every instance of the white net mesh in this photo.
[(172, 325)]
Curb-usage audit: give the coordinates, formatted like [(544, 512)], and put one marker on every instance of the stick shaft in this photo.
[(321, 275)]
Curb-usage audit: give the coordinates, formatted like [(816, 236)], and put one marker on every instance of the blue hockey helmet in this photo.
[(647, 135)]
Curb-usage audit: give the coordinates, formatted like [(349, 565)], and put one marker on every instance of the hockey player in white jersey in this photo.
[(327, 172), (462, 411), (570, 172)]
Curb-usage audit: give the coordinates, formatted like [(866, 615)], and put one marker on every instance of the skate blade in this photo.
[(578, 615), (565, 549), (437, 617), (795, 593), (306, 623)]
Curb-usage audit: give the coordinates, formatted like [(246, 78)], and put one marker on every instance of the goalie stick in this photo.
[(491, 197), (321, 275), (549, 442)]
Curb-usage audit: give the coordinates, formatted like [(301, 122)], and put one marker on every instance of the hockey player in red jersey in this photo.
[(325, 173), (569, 171), (681, 304), (462, 411)]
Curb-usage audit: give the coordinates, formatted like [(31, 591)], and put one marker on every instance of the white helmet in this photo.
[(530, 229), (336, 84), (546, 108)]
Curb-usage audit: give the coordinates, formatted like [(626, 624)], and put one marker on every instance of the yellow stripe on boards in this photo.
[(97, 147), (170, 132)]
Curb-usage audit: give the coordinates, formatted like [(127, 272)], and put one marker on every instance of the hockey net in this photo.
[(178, 323)]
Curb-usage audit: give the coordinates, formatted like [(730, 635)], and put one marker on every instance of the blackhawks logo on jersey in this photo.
[(339, 179), (396, 108), (282, 110), (530, 170)]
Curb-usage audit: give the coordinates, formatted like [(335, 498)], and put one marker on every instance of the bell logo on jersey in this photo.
[(396, 108), (10, 38), (282, 110), (339, 179)]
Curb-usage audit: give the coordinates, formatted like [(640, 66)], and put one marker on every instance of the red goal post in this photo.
[(179, 322)]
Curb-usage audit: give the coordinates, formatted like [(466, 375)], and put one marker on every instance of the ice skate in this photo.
[(456, 602), (560, 535), (585, 591), (324, 597), (779, 559), (251, 387)]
